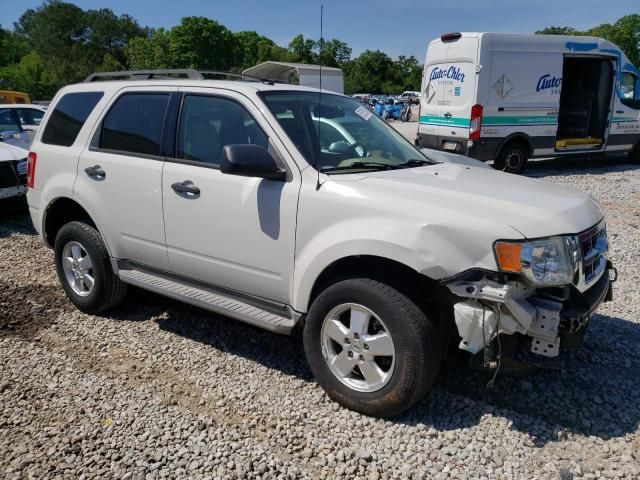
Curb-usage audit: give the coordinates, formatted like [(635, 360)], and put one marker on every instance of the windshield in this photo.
[(337, 134)]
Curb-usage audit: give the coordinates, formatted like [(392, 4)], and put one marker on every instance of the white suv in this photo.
[(247, 198)]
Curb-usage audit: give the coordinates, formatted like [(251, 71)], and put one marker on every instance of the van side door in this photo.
[(625, 124), (236, 232)]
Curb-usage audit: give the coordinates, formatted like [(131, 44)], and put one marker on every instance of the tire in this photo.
[(105, 291), (512, 158), (634, 155), (406, 376)]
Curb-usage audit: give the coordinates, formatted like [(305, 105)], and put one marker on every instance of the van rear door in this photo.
[(449, 94)]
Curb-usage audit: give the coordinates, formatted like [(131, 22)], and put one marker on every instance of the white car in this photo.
[(29, 115), (237, 197), (13, 171)]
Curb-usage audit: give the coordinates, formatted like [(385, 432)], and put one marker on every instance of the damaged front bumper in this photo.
[(549, 317)]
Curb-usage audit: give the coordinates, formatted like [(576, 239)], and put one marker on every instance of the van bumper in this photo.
[(483, 149)]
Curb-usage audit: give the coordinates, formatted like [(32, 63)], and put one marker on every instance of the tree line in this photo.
[(625, 33), (60, 43)]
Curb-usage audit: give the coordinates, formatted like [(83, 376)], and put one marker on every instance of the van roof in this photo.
[(532, 42)]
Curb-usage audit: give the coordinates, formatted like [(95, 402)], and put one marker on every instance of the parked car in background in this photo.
[(11, 96), (411, 96), (29, 115), (13, 171), (286, 209), (11, 130)]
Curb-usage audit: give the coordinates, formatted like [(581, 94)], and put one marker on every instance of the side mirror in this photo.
[(250, 161), (339, 147)]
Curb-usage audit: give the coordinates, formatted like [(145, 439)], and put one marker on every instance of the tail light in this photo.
[(476, 122), (31, 169)]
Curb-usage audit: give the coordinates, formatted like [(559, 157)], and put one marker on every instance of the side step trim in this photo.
[(208, 299)]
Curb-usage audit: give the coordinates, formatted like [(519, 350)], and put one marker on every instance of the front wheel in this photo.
[(513, 158), (370, 347)]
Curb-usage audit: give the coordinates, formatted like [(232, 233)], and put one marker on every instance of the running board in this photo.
[(207, 298)]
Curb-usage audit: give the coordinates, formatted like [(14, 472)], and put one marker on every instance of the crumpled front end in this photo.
[(491, 304)]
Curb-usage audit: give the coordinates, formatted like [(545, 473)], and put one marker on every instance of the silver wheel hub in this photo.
[(78, 268), (358, 347)]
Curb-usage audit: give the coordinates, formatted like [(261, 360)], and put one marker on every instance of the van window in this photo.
[(68, 117), (630, 87), (134, 123), (207, 124)]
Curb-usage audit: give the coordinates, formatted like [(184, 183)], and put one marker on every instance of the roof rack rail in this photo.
[(173, 73), (147, 74)]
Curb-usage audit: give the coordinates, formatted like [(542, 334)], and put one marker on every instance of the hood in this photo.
[(9, 152), (534, 208), (455, 158)]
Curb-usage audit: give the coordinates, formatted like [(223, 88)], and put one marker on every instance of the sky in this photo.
[(397, 27)]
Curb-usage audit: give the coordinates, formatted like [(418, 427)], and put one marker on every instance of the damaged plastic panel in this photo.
[(492, 308)]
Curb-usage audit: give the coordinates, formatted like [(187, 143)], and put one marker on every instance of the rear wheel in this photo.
[(370, 347), (512, 158), (84, 269)]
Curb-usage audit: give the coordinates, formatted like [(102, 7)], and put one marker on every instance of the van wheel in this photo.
[(84, 269), (634, 156), (512, 158), (370, 347)]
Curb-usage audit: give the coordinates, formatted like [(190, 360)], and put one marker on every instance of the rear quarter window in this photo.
[(68, 117)]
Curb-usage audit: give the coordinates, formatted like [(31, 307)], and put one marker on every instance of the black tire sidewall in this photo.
[(416, 353), (501, 161), (76, 231)]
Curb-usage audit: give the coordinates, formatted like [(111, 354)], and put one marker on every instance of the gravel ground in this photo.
[(157, 389)]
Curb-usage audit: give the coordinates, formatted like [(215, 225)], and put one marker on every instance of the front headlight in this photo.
[(547, 262)]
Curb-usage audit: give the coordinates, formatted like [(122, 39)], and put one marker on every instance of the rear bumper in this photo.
[(483, 149)]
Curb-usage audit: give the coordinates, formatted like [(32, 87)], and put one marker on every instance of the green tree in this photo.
[(149, 52), (252, 48), (558, 31), (302, 49), (332, 53), (12, 47), (108, 33), (625, 33), (199, 42)]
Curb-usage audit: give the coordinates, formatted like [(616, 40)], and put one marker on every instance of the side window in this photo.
[(134, 123), (8, 122), (68, 117), (630, 90), (207, 124), (30, 116)]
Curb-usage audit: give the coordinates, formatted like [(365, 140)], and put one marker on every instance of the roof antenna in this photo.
[(318, 184)]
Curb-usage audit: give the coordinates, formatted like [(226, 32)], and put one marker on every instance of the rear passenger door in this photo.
[(237, 232), (120, 175)]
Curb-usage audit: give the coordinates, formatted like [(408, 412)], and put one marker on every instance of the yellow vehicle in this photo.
[(9, 96)]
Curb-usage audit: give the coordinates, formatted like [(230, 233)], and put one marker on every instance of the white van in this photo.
[(510, 97)]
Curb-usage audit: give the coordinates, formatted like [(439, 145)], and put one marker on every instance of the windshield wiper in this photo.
[(414, 162), (359, 165)]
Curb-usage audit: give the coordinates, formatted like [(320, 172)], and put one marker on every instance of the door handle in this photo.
[(96, 172), (448, 115), (619, 111), (186, 189)]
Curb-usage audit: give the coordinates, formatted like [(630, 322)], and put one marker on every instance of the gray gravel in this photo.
[(157, 389)]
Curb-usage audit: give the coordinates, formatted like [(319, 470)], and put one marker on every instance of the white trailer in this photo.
[(299, 74)]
